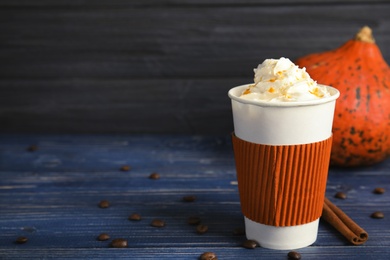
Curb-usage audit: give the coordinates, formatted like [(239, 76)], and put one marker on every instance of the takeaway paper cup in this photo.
[(282, 153)]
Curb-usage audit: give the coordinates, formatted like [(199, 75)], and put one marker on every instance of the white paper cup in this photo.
[(282, 124)]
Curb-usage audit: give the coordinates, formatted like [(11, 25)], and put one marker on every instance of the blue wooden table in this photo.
[(50, 195)]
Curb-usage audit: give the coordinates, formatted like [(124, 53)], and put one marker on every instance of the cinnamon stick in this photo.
[(344, 224)]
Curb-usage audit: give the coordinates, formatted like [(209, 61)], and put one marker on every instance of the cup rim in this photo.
[(238, 89)]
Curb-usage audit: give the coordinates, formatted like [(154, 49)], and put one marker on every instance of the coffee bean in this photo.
[(21, 240), (201, 229), (378, 214), (340, 195), (194, 220), (157, 223), (154, 176), (125, 168), (293, 255), (249, 244), (135, 217), (208, 256), (379, 190), (119, 243), (239, 231), (189, 198), (104, 204), (32, 148), (103, 237)]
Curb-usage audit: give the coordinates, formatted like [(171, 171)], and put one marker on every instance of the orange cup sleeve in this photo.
[(282, 185)]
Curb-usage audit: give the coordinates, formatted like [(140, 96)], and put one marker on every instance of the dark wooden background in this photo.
[(146, 66)]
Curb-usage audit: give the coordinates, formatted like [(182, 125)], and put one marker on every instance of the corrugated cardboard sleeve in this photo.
[(282, 185)]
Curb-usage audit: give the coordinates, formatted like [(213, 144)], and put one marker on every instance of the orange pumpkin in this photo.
[(361, 127)]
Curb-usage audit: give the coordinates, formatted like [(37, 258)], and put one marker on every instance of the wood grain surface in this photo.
[(155, 66), (51, 196)]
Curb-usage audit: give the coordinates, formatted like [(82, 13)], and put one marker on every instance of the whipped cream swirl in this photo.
[(280, 80)]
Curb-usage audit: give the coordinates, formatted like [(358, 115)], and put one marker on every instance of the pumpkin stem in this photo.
[(365, 35)]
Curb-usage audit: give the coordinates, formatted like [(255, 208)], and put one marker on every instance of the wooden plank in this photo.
[(123, 106), (192, 253), (347, 253), (119, 66), (168, 3), (51, 196), (178, 42)]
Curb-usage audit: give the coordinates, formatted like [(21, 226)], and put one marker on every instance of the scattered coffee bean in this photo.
[(158, 223), (119, 243), (379, 190), (21, 240), (32, 148), (125, 168), (154, 176), (239, 231), (103, 237), (340, 195), (189, 198), (194, 220), (104, 204), (201, 229), (208, 256), (378, 214), (135, 217), (249, 244), (293, 255), (29, 229)]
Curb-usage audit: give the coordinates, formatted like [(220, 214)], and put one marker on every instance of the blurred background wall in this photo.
[(148, 66)]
